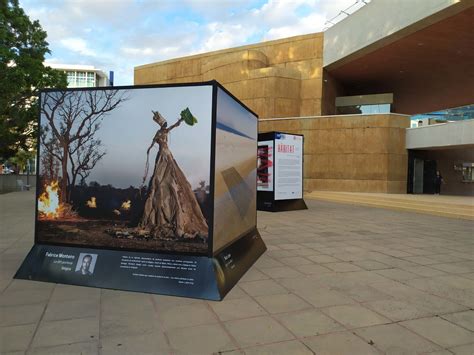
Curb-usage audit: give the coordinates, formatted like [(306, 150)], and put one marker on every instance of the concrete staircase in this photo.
[(461, 207)]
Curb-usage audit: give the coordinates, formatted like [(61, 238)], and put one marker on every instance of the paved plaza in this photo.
[(336, 279)]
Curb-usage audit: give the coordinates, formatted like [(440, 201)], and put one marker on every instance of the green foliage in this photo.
[(188, 117), (21, 158), (23, 48)]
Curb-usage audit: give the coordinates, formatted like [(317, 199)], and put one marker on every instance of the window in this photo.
[(467, 170), (363, 109)]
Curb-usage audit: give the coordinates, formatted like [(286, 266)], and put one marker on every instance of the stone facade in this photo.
[(282, 82), (358, 153), (281, 78)]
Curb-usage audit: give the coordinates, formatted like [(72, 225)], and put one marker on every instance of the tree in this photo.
[(23, 48), (68, 135)]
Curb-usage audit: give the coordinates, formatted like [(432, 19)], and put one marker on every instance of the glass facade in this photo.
[(363, 109), (80, 79), (451, 114)]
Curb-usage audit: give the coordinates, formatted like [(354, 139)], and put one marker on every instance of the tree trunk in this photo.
[(63, 194)]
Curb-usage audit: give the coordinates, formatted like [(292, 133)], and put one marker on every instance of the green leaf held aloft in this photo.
[(188, 117)]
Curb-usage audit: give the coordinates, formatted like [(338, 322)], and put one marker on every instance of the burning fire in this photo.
[(48, 202), (92, 202), (126, 205)]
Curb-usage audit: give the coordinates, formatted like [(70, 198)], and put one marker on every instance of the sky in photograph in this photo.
[(127, 132), (121, 34)]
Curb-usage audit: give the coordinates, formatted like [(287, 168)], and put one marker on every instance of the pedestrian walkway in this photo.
[(461, 207), (336, 279)]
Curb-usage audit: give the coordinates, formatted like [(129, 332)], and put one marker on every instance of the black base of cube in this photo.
[(168, 274), (281, 205)]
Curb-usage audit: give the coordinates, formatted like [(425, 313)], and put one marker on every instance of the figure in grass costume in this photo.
[(171, 209)]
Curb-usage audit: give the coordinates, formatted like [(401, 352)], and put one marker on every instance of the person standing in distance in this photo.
[(438, 182)]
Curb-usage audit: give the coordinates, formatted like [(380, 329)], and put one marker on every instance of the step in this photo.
[(446, 210)]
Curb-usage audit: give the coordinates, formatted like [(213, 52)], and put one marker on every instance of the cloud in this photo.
[(78, 45), (119, 35)]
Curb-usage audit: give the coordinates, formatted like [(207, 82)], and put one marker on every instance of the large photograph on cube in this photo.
[(126, 168), (235, 171)]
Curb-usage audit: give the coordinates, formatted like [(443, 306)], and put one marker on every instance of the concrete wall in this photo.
[(360, 153), (378, 21), (9, 182), (442, 135), (281, 78)]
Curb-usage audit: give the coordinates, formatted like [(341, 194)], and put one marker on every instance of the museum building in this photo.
[(353, 90)]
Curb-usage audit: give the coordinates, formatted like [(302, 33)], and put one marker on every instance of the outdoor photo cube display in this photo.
[(145, 188), (280, 172)]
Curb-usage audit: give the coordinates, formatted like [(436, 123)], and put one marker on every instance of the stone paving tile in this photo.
[(267, 262), (237, 309), (463, 319), (24, 297), (463, 349), (293, 347), (342, 267), (66, 332), (257, 331), (312, 269), (295, 261), (422, 260), (187, 316), (398, 310), (81, 308), (131, 324), (162, 302), (321, 259), (439, 352), (394, 339), (20, 315), (16, 338), (68, 292), (305, 252), (424, 271), (254, 275), (22, 285), (444, 258), (276, 254), (363, 293), (150, 343), (439, 331), (309, 322), (89, 348), (235, 293), (282, 303), (455, 268), (324, 297), (201, 339), (339, 343), (262, 287), (281, 272), (354, 316), (371, 265), (397, 274)]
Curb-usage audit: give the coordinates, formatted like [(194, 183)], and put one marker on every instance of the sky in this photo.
[(121, 34), (127, 132)]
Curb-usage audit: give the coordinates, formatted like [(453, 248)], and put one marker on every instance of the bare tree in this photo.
[(73, 118)]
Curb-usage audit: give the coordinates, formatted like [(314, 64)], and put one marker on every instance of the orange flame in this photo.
[(126, 205), (48, 202), (92, 202)]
